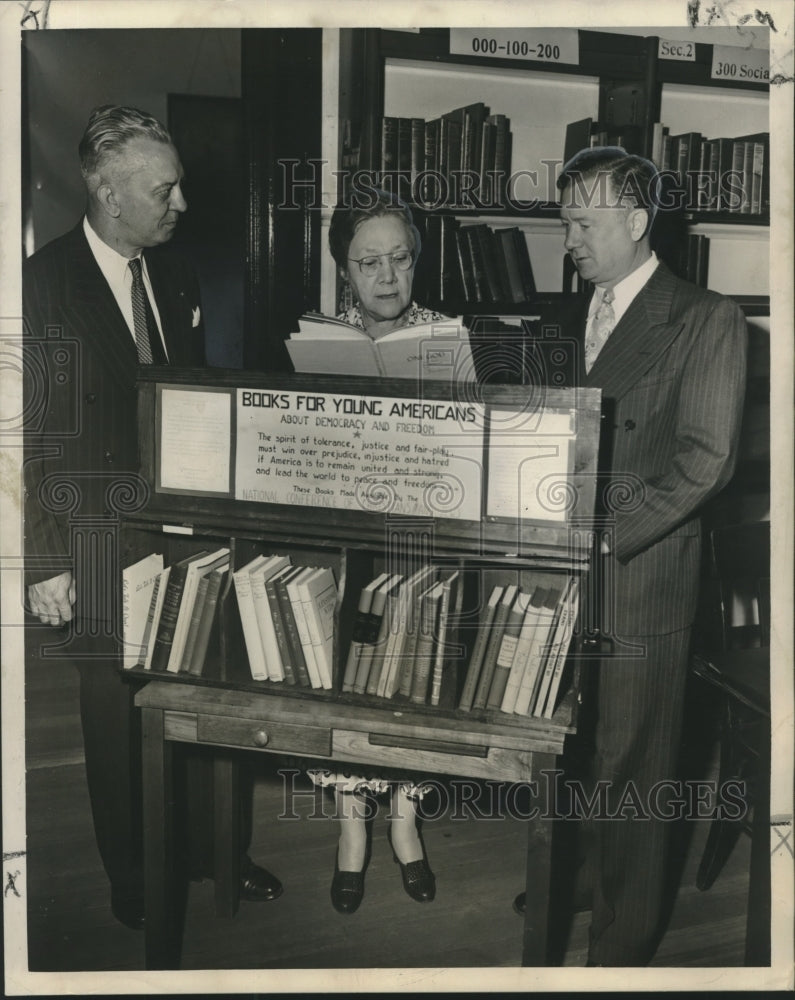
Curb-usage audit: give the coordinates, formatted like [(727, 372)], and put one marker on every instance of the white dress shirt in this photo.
[(626, 289), (115, 269)]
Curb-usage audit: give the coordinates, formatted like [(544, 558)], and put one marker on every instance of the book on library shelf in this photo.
[(292, 652), (518, 658), (564, 628), (536, 655), (397, 667), (248, 617), (427, 615), (279, 625), (724, 174), (296, 607), (435, 152), (287, 615), (215, 580), (138, 583), (505, 650), (479, 648), (404, 635), (259, 576), (372, 654), (392, 635), (198, 567), (316, 592), (447, 649), (438, 349), (376, 681), (169, 614), (363, 632), (524, 642), (493, 645), (167, 630), (153, 618)]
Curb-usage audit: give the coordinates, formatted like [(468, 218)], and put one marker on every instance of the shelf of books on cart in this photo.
[(352, 540)]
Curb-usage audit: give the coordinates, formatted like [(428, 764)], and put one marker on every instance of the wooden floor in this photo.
[(479, 865)]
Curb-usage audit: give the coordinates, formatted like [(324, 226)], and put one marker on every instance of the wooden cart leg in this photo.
[(226, 809), (161, 937), (537, 877)]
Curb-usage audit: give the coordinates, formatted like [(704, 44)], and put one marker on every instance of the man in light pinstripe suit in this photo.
[(670, 360)]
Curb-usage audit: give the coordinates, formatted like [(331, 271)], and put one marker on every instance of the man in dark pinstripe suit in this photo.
[(670, 360), (83, 347)]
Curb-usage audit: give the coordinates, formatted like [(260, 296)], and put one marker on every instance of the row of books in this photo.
[(694, 259), (717, 175), (517, 659), (287, 615), (168, 611), (713, 175), (405, 635), (474, 263), (587, 133), (429, 157)]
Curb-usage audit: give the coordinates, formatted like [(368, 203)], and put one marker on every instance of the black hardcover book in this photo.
[(487, 187), (465, 266), (298, 659), (430, 191), (578, 136), (477, 264), (168, 617), (502, 154), (404, 157), (509, 262), (389, 152), (525, 267), (494, 274)]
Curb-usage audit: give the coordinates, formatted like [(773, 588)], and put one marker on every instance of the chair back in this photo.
[(740, 556)]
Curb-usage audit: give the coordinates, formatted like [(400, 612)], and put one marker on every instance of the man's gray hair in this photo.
[(109, 128)]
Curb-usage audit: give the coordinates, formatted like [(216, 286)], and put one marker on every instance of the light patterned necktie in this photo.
[(147, 336), (601, 326)]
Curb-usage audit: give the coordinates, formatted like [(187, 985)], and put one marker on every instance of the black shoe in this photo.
[(520, 904), (418, 879), (128, 911), (258, 885), (347, 888)]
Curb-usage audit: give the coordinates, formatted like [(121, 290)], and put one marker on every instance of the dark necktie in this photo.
[(147, 336)]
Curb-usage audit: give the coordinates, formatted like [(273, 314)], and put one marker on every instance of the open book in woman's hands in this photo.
[(437, 350)]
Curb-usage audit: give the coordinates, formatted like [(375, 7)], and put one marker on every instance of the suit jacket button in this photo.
[(108, 456), (629, 425), (91, 397)]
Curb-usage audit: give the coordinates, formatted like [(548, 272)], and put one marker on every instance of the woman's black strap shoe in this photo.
[(347, 888), (418, 879)]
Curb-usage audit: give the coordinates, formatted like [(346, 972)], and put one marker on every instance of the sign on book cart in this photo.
[(452, 459)]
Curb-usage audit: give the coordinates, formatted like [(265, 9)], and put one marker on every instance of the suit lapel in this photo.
[(94, 310), (643, 334), (170, 304)]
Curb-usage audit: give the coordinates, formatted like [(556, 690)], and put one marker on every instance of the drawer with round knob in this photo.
[(252, 734)]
